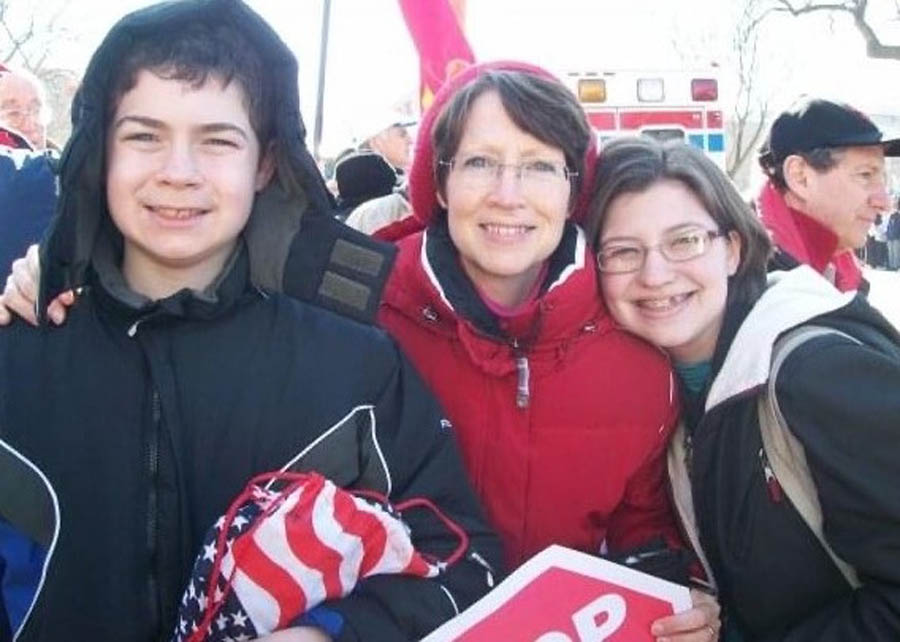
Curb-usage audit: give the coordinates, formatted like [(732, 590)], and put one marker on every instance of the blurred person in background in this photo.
[(27, 200), (23, 106), (377, 213), (361, 177), (826, 184), (876, 245), (27, 170), (387, 133), (892, 236)]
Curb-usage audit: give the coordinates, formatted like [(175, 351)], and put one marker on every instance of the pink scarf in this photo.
[(807, 240)]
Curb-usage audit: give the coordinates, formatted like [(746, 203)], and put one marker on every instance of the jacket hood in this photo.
[(296, 190), (422, 188), (791, 299)]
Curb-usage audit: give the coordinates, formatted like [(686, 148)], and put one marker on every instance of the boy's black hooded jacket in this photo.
[(127, 432)]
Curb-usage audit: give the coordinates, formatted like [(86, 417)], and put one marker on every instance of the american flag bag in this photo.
[(276, 554)]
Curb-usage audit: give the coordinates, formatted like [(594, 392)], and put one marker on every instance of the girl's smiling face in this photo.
[(676, 305)]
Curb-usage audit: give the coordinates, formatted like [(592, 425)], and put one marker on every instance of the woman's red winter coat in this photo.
[(583, 462)]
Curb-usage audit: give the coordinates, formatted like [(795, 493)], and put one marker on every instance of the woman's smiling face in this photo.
[(677, 306), (505, 229)]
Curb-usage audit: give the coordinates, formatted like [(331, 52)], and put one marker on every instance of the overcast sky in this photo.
[(372, 62)]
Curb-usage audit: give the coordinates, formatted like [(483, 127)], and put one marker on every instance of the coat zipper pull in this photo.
[(133, 328), (523, 374), (523, 393), (772, 485)]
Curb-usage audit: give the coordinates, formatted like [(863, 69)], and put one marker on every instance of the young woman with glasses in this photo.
[(682, 265)]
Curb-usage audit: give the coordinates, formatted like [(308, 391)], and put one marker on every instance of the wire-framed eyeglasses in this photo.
[(484, 171), (621, 257)]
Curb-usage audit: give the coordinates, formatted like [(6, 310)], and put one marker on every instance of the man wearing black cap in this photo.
[(825, 163)]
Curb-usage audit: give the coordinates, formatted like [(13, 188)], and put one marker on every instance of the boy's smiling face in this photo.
[(183, 167)]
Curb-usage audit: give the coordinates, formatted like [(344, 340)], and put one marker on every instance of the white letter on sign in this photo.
[(585, 620)]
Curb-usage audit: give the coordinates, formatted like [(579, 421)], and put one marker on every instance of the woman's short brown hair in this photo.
[(542, 107)]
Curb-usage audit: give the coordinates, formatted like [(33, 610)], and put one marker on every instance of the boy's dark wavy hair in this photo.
[(196, 53)]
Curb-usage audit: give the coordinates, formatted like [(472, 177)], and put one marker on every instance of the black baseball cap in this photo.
[(821, 123)]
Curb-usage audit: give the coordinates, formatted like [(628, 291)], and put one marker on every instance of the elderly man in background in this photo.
[(23, 106)]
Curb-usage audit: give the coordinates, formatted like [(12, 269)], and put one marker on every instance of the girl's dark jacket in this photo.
[(842, 402), (127, 432)]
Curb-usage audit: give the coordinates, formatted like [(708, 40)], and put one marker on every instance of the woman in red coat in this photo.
[(563, 418)]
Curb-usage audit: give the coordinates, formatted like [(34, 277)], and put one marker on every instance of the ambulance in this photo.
[(667, 105)]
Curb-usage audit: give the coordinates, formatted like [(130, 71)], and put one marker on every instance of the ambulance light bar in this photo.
[(592, 90), (650, 90), (704, 89)]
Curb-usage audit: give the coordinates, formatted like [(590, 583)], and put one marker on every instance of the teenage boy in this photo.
[(181, 373)]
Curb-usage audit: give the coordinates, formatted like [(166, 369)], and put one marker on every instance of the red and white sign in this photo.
[(561, 595)]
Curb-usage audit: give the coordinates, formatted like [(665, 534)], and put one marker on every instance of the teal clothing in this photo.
[(694, 376)]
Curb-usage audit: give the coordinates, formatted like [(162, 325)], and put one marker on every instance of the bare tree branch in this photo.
[(751, 105), (786, 6), (28, 36), (856, 9)]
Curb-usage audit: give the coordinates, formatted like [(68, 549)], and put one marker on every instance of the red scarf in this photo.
[(807, 240)]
